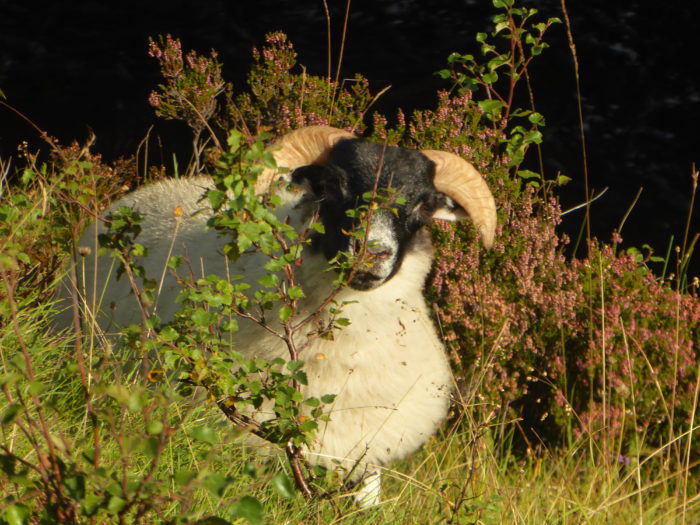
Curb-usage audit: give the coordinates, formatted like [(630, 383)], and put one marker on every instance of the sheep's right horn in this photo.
[(459, 180), (301, 147)]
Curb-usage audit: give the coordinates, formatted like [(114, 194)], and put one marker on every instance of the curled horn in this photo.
[(301, 147), (459, 180)]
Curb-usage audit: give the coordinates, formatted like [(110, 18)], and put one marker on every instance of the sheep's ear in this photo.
[(449, 212), (321, 180), (307, 178)]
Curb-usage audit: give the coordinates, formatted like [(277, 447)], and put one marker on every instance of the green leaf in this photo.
[(183, 477), (268, 244), (175, 261), (216, 198), (234, 139), (527, 174), (293, 366), (328, 398), (75, 486), (9, 379), (139, 250), (17, 514), (283, 485), (136, 401), (444, 74), (150, 446), (317, 227), (295, 292), (116, 504), (89, 455), (250, 469), (7, 464), (216, 483), (500, 26), (537, 49), (90, 504), (10, 413), (205, 435), (269, 280), (285, 313), (308, 426), (491, 106), (533, 136), (312, 402), (153, 321), (562, 179), (229, 325), (301, 377), (248, 508), (169, 333), (202, 318)]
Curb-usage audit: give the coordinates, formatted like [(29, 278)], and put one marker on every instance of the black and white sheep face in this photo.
[(356, 168)]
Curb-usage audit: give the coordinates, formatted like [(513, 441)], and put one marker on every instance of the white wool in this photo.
[(388, 368)]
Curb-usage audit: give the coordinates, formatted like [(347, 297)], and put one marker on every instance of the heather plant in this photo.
[(192, 84), (640, 363), (503, 313), (282, 96), (526, 326)]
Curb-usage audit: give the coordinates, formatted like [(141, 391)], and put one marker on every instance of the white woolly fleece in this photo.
[(388, 368)]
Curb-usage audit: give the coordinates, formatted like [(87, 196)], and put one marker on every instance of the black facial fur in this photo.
[(352, 171)]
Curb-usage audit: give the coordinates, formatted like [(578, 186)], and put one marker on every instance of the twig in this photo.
[(293, 456), (55, 479), (629, 209), (587, 203)]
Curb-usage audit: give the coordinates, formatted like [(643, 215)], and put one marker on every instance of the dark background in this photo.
[(74, 66)]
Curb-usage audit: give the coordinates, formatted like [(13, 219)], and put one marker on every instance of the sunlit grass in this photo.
[(465, 474)]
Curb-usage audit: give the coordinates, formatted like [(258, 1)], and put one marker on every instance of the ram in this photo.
[(388, 368)]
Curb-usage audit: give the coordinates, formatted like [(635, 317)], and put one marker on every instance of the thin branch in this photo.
[(587, 203), (582, 132)]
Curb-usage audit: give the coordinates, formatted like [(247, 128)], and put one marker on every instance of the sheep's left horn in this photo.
[(301, 147), (459, 180)]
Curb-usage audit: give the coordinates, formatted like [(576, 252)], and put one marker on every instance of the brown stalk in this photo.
[(582, 133), (294, 458), (52, 473)]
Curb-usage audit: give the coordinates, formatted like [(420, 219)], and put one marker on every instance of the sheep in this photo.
[(388, 368)]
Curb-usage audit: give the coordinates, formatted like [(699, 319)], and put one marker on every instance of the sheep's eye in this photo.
[(420, 215), (423, 209)]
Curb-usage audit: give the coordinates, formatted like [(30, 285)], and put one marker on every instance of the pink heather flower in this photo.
[(154, 99), (154, 50), (401, 119)]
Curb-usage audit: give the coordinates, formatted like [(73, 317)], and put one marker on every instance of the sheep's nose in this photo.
[(379, 251)]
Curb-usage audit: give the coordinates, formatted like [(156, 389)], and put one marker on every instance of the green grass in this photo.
[(465, 474)]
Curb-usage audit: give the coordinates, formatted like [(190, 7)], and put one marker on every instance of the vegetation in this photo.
[(578, 378)]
